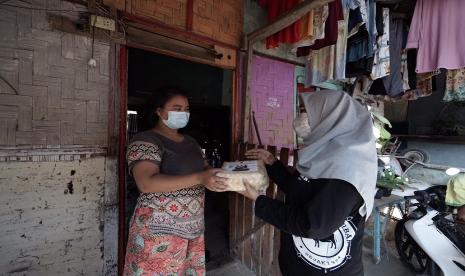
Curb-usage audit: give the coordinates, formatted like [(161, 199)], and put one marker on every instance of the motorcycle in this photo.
[(429, 238)]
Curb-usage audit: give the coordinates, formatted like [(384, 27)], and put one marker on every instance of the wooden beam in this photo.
[(285, 20), (143, 37), (175, 32), (79, 2), (167, 33), (257, 53), (92, 6)]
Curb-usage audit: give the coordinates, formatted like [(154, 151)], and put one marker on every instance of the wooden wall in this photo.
[(170, 12), (220, 20)]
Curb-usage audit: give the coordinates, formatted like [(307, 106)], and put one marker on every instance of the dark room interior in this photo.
[(209, 92)]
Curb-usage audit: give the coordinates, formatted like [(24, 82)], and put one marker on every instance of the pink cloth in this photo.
[(437, 31)]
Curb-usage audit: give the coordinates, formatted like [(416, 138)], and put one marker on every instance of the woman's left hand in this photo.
[(250, 192), (213, 182)]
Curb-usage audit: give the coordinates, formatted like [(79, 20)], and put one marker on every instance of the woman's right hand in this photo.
[(261, 154), (213, 182)]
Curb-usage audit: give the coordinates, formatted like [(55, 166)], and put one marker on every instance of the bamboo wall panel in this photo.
[(170, 12), (219, 19)]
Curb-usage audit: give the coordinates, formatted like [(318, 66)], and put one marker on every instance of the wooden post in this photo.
[(189, 14), (122, 70), (233, 209), (248, 224), (247, 93)]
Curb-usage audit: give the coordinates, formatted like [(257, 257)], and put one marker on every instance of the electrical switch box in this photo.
[(103, 22)]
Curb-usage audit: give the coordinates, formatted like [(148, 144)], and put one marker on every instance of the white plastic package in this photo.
[(253, 171)]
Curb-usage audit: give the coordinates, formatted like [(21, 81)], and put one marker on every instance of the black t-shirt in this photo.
[(321, 228)]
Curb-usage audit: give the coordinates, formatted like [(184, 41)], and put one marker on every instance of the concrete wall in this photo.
[(51, 218), (58, 189)]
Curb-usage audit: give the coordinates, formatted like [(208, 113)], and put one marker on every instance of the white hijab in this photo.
[(341, 144)]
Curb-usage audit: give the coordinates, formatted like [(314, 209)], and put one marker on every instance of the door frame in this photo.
[(122, 65)]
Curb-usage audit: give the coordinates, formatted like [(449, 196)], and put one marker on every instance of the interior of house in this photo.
[(209, 91)]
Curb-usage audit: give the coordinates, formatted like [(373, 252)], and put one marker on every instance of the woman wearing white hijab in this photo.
[(330, 195)]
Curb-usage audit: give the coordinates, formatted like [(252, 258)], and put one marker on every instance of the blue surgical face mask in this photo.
[(177, 119)]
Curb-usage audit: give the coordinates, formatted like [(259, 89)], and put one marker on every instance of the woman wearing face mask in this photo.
[(166, 230), (330, 195)]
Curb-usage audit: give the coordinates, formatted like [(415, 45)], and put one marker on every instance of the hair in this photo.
[(158, 100)]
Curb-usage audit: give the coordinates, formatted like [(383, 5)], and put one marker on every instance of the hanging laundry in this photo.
[(328, 63), (306, 26), (377, 88), (424, 86), (361, 87), (360, 4), (372, 27), (360, 93), (411, 65), (341, 47), (320, 15), (290, 34), (404, 71), (393, 82), (437, 32), (359, 14), (336, 14), (319, 66), (362, 39), (358, 62), (455, 85), (356, 21), (381, 64)]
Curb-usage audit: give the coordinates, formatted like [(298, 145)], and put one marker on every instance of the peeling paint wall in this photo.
[(51, 217)]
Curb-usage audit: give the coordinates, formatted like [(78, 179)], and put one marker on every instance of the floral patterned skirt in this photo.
[(160, 254)]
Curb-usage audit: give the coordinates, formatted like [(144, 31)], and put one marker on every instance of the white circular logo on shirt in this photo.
[(330, 253)]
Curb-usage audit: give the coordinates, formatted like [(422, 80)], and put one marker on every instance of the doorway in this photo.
[(209, 90)]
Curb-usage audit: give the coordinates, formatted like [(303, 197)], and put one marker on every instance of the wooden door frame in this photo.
[(122, 65), (123, 96)]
